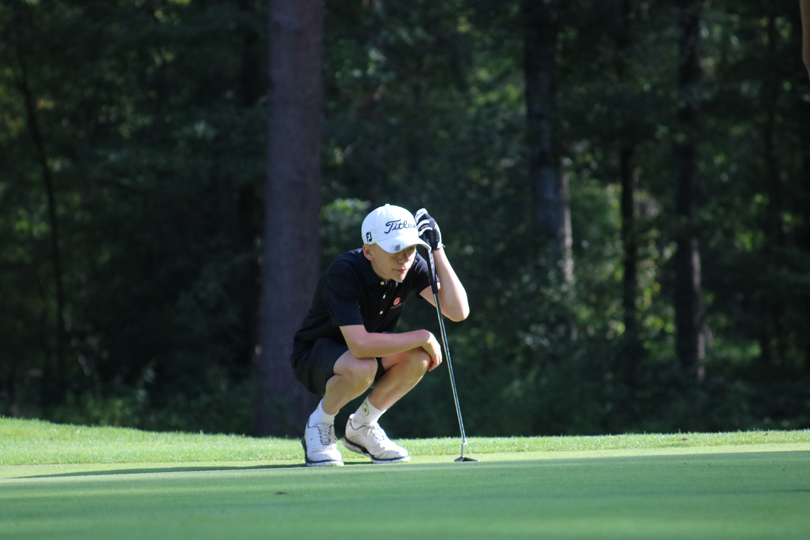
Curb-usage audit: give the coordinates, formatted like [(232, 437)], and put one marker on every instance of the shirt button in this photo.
[(382, 283), (381, 313), (384, 296)]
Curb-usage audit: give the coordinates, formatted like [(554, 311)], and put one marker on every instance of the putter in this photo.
[(434, 287)]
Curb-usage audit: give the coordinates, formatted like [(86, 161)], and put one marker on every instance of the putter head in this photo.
[(463, 459)]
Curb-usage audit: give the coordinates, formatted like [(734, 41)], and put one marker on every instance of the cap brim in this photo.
[(394, 245)]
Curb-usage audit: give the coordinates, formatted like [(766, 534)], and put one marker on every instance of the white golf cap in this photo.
[(392, 228)]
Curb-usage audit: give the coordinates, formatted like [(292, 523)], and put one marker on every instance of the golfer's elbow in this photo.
[(360, 350), (359, 341), (459, 314)]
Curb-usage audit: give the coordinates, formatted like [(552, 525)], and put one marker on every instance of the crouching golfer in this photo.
[(346, 343)]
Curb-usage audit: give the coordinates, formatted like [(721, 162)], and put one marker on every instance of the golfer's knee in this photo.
[(418, 361), (363, 372)]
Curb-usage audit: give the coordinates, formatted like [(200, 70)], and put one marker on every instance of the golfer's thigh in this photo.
[(361, 368), (413, 359)]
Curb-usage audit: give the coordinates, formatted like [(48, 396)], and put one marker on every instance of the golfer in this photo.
[(346, 343)]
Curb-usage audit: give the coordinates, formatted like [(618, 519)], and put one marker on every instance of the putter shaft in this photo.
[(434, 287)]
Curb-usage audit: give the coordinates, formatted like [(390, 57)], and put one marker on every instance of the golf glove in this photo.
[(428, 229)]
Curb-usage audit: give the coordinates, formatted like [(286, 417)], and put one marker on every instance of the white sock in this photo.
[(366, 414), (320, 417)]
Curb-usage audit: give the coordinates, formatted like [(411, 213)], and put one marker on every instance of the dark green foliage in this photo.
[(155, 136), (153, 128)]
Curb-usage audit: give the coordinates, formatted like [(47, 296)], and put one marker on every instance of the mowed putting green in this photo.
[(747, 491), (737, 495)]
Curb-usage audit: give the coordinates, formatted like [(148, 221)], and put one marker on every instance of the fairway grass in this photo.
[(112, 483)]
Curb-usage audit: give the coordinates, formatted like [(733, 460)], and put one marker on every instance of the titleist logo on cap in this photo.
[(398, 224)]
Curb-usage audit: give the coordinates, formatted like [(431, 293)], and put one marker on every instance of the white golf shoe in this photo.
[(320, 446), (370, 440)]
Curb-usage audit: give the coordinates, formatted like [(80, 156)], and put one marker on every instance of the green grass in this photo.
[(34, 442), (61, 481)]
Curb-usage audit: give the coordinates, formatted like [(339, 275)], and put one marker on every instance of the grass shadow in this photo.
[(161, 470), (187, 468)]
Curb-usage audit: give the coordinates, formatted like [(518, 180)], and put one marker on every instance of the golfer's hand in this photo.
[(428, 229), (433, 349)]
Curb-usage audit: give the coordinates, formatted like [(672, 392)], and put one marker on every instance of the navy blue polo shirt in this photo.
[(350, 293)]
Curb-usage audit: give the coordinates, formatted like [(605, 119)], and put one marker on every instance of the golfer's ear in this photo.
[(367, 251)]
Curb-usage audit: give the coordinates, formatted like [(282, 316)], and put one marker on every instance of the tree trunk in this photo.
[(797, 198), (54, 386), (803, 232), (292, 204), (802, 208), (628, 181), (552, 212), (688, 305), (629, 241), (249, 205), (773, 342)]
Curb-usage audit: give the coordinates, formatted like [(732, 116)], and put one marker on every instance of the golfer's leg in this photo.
[(402, 372), (363, 434), (352, 377)]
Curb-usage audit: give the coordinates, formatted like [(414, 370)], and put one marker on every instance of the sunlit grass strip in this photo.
[(34, 442)]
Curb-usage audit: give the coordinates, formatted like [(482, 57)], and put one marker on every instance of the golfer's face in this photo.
[(392, 266)]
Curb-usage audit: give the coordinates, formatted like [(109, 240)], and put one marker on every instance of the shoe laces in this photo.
[(326, 432), (378, 433)]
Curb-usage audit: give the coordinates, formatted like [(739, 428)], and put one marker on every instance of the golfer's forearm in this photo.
[(364, 344), (452, 295)]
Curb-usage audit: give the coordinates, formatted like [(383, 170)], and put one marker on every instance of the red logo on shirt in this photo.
[(396, 301)]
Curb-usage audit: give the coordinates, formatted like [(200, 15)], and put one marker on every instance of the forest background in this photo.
[(623, 187)]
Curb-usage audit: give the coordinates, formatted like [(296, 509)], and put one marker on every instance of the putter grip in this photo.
[(433, 278)]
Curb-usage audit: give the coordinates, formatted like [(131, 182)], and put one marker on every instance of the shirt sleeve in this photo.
[(341, 296)]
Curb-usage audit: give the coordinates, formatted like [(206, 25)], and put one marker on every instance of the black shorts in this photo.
[(314, 367)]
